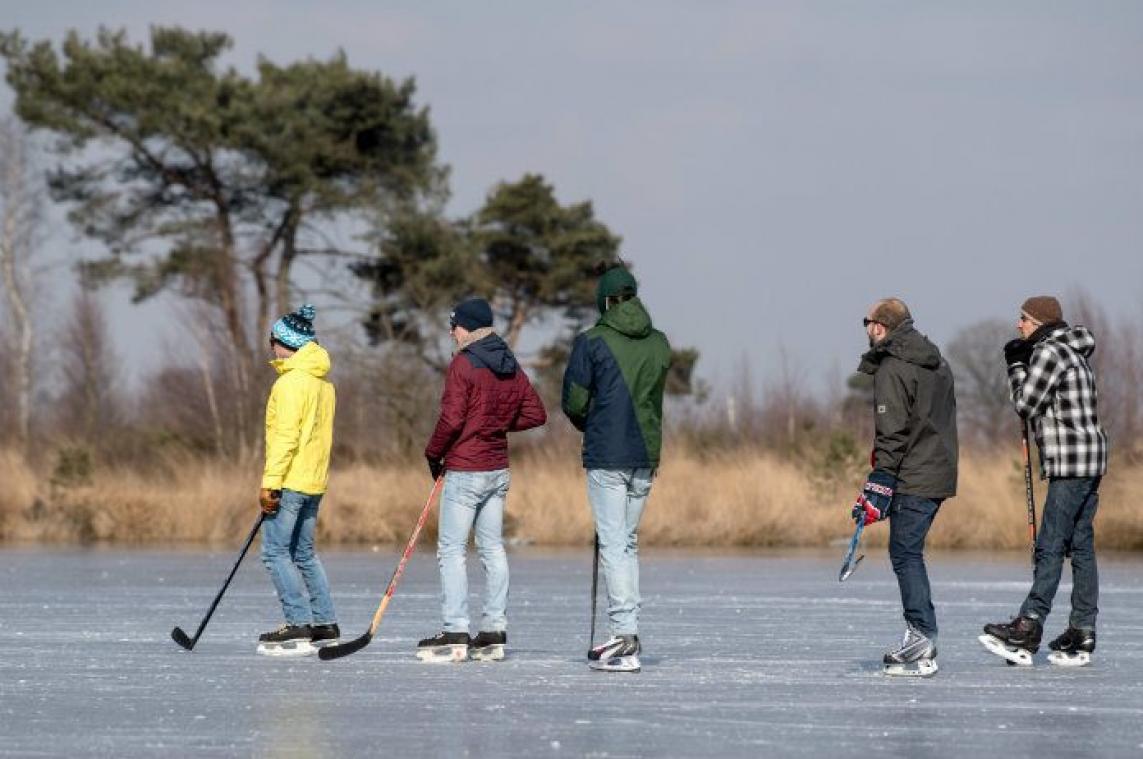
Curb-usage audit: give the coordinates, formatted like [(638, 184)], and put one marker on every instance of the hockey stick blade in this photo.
[(184, 640), (338, 650), (849, 564)]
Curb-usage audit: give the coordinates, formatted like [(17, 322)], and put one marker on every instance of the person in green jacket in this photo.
[(613, 393)]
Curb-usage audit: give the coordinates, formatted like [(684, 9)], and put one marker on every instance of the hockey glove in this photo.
[(269, 500), (875, 497), (1018, 351), (436, 467)]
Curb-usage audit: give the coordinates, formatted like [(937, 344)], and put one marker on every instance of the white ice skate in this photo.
[(1021, 657), (619, 654), (915, 656)]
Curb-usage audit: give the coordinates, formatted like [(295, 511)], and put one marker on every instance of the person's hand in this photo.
[(269, 500), (436, 467), (876, 496), (1018, 351)]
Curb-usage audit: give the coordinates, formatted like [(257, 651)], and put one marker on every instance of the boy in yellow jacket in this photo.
[(299, 435)]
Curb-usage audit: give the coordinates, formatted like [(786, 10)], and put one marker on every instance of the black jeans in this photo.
[(1067, 523), (910, 518)]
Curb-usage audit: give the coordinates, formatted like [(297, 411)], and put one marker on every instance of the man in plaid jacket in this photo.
[(1053, 388)]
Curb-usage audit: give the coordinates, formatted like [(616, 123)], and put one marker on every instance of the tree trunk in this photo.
[(15, 241), (517, 318)]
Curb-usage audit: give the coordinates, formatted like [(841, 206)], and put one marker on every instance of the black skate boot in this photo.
[(915, 656), (488, 646), (620, 654), (287, 640), (1072, 649), (444, 647), (324, 635), (1014, 641)]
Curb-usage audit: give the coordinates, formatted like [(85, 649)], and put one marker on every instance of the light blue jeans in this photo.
[(617, 497), (288, 552), (473, 499)]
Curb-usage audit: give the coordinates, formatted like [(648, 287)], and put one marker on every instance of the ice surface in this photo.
[(744, 655)]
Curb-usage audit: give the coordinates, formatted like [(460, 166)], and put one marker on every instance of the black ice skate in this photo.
[(620, 654), (1014, 641), (445, 647), (325, 635), (488, 646), (1072, 649), (287, 640), (915, 656)]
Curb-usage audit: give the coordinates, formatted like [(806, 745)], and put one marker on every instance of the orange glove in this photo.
[(269, 500)]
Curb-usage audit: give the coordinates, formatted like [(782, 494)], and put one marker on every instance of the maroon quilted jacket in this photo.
[(486, 396)]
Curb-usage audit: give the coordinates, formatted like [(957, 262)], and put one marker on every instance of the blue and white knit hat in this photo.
[(295, 329)]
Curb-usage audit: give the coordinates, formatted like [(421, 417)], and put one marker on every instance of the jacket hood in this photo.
[(629, 318), (906, 344), (311, 358), (493, 353), (1078, 338)]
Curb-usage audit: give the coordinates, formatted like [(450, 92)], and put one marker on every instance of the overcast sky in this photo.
[(773, 167)]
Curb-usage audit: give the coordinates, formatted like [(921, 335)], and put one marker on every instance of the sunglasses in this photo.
[(865, 322)]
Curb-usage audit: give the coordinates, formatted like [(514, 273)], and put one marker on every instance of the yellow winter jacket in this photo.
[(299, 423)]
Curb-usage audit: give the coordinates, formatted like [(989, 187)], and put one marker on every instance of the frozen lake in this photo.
[(745, 655)]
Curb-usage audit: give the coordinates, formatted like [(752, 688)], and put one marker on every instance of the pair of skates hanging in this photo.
[(1018, 640)]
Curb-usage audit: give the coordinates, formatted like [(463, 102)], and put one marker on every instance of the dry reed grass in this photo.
[(739, 498)]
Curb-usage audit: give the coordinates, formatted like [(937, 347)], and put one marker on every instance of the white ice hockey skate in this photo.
[(915, 656), (1021, 657), (444, 648), (619, 654)]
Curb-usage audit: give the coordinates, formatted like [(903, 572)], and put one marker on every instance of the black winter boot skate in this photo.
[(444, 647), (1073, 648), (488, 646), (1014, 641), (324, 635), (287, 640)]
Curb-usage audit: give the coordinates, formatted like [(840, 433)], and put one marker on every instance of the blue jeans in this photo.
[(910, 517), (1067, 523), (288, 552), (617, 498), (473, 499)]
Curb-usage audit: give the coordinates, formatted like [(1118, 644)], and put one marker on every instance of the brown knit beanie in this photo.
[(1044, 309)]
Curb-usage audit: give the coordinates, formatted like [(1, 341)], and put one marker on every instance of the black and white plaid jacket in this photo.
[(1056, 391)]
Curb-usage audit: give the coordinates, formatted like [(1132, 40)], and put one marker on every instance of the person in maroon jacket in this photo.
[(486, 396)]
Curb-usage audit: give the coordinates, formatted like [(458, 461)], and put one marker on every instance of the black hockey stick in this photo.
[(849, 564), (594, 592), (177, 634), (338, 650), (1028, 489)]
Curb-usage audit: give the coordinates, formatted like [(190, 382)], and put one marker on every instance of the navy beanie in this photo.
[(295, 329), (472, 314)]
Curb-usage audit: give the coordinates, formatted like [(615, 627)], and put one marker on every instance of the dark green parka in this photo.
[(914, 406)]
